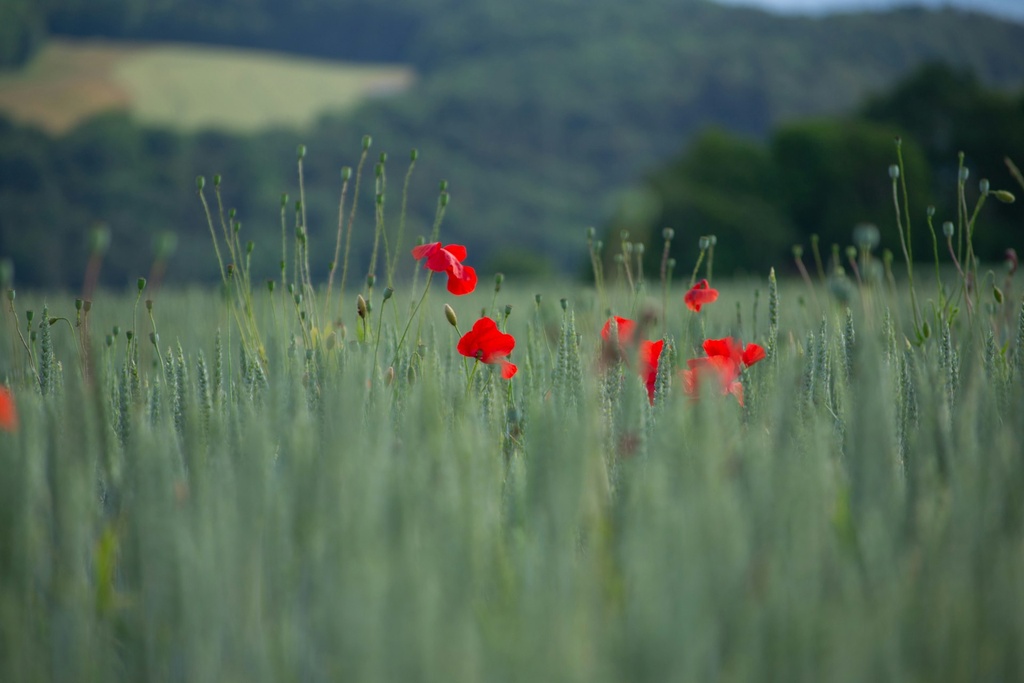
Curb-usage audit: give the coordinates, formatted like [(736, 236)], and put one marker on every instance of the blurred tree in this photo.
[(834, 175), (22, 29)]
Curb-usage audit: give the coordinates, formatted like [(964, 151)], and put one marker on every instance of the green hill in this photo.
[(540, 113)]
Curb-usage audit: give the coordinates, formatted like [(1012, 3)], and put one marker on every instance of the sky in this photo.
[(1013, 9)]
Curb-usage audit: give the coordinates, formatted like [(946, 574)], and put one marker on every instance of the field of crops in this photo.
[(187, 87), (452, 479)]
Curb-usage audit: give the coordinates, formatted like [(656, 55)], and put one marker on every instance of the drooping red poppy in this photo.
[(486, 343), (650, 354), (734, 350), (626, 328), (700, 294), (720, 369), (723, 363), (8, 412), (448, 259)]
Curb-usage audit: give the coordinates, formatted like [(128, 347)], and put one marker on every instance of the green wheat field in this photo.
[(319, 480)]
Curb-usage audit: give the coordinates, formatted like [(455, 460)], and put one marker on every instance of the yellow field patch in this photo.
[(187, 87)]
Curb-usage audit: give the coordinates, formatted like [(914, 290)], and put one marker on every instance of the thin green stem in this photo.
[(401, 340)]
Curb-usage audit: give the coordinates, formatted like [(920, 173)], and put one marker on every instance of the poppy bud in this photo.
[(537, 298), (29, 314), (346, 173), (498, 279), (704, 242), (964, 174), (1005, 196), (948, 229), (983, 186), (565, 303), (443, 186), (200, 183), (671, 263), (87, 305), (930, 211), (894, 171), (383, 157), (449, 313), (388, 293), (116, 330), (270, 286), (110, 340), (714, 239), (284, 200), (798, 251), (926, 330), (591, 233), (361, 306), (866, 236), (141, 283), (667, 234), (149, 305), (414, 154), (249, 246), (216, 181), (508, 310), (367, 141), (300, 152), (230, 269), (154, 338), (997, 294), (78, 304), (371, 280), (639, 248)]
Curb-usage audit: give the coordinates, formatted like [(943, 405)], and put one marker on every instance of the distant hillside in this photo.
[(187, 87), (540, 112)]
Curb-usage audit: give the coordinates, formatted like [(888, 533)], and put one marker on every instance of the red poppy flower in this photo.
[(488, 344), (626, 327), (461, 278), (650, 353), (733, 350), (700, 294), (8, 412), (725, 358), (720, 369)]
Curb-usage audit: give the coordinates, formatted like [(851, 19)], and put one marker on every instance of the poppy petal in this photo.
[(456, 250), (8, 411), (508, 370), (464, 283), (752, 354), (425, 250)]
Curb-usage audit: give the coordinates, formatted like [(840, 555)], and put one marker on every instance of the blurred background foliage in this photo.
[(546, 117)]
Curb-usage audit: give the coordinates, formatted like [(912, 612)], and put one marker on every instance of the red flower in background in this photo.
[(700, 294), (650, 354), (626, 327), (8, 412), (725, 359), (461, 278), (486, 343)]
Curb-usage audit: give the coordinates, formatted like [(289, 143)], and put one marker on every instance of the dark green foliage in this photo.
[(22, 28), (537, 113)]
